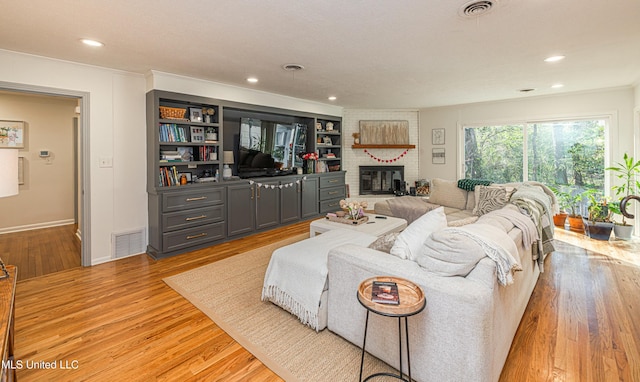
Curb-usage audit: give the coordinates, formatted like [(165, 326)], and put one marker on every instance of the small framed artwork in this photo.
[(12, 134), (197, 134), (437, 136), (327, 140), (195, 114), (437, 156), (188, 175)]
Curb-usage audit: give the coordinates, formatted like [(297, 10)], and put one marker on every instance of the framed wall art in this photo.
[(12, 134), (437, 136), (195, 114), (438, 156)]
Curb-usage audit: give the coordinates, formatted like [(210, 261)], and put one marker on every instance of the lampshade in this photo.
[(227, 157), (8, 172)]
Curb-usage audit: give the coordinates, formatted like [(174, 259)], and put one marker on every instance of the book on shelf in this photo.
[(385, 292), (168, 177), (170, 132)]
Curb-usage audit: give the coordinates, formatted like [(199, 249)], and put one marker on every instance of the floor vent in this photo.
[(128, 243)]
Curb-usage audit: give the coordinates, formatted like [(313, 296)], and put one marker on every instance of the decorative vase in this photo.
[(311, 166)]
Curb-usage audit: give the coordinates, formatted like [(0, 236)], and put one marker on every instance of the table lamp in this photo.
[(8, 172), (227, 159)]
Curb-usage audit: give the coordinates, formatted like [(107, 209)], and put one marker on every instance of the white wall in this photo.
[(353, 158), (617, 103), (187, 85)]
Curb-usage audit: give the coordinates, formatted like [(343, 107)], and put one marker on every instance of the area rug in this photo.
[(228, 291)]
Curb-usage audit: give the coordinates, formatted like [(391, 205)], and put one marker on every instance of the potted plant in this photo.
[(564, 202), (598, 225), (575, 218), (626, 171)]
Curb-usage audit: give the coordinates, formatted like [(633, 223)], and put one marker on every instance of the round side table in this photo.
[(412, 302)]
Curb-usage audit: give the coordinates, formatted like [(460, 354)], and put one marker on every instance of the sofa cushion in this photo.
[(409, 242), (385, 242), (489, 198), (446, 193), (449, 255)]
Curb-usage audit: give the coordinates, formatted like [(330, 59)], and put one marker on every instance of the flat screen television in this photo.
[(266, 144)]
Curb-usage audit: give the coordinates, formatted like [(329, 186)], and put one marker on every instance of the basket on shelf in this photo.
[(167, 112), (334, 167)]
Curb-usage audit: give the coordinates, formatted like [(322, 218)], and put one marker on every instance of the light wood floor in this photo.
[(119, 321)]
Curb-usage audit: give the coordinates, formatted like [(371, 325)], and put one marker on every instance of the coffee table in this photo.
[(375, 226)]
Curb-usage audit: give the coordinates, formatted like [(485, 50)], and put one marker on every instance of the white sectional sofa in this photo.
[(470, 320)]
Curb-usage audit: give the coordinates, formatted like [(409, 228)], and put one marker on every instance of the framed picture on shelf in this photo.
[(197, 134), (437, 156), (327, 140), (12, 134), (195, 114), (437, 136)]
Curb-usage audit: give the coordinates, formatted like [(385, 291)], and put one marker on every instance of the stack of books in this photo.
[(385, 292)]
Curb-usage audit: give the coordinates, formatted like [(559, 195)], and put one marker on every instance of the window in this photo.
[(559, 153)]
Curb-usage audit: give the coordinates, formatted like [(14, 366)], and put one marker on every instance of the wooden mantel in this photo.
[(372, 146)]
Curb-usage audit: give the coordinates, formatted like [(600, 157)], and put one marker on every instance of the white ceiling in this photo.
[(368, 53)]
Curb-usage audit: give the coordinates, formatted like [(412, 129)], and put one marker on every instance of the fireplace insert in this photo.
[(380, 180)]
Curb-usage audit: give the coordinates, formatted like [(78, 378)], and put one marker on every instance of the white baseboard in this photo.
[(30, 227)]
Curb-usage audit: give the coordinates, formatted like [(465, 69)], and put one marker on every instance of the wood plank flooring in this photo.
[(42, 251), (119, 321)]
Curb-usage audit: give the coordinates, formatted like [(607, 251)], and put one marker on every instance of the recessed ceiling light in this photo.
[(332, 98), (557, 86), (90, 42), (253, 80), (554, 59)]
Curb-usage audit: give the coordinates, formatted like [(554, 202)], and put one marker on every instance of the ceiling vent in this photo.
[(476, 8), (292, 67)]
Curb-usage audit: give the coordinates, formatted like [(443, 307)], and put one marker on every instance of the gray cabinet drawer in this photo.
[(330, 206), (190, 218), (176, 201), (332, 193), (331, 181), (185, 238)]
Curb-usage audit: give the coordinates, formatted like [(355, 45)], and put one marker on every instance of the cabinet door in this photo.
[(240, 209), (310, 202), (267, 205), (290, 202)]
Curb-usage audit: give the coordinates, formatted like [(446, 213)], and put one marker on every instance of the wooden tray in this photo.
[(412, 300), (336, 219)]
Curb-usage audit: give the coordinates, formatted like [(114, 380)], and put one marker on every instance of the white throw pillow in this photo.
[(409, 242)]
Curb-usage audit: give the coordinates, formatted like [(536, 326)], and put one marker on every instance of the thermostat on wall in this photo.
[(44, 153)]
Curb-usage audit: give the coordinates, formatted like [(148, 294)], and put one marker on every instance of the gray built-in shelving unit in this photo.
[(196, 215)]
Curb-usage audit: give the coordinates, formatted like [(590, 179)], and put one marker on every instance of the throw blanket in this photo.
[(297, 273), (530, 233), (410, 207), (534, 202), (497, 246)]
